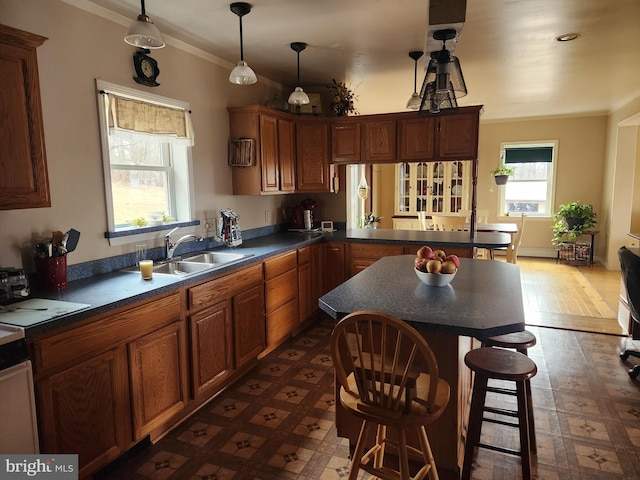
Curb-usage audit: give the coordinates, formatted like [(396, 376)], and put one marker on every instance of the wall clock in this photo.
[(146, 68)]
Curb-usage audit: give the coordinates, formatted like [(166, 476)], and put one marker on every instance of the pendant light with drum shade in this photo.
[(298, 97), (143, 33), (415, 100), (443, 83), (242, 74)]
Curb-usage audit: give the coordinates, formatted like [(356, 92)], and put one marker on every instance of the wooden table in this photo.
[(484, 299)]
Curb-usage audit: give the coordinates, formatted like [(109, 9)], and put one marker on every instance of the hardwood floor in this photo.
[(277, 423)]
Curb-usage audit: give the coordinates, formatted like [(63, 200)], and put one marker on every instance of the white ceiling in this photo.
[(511, 62)]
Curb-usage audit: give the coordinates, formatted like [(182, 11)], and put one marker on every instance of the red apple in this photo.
[(434, 266), (448, 267), (419, 262), (454, 259), (425, 252), (439, 254)]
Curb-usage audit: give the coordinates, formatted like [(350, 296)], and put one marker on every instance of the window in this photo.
[(530, 188), (146, 142)]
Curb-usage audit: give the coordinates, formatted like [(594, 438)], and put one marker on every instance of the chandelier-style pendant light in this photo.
[(143, 33), (298, 97), (443, 83), (415, 100), (242, 73)]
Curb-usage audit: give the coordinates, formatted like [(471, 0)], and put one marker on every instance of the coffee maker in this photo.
[(228, 231)]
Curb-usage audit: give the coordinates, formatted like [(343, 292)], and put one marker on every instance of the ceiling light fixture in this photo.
[(567, 37), (242, 73), (143, 33), (443, 83), (415, 100), (298, 97)]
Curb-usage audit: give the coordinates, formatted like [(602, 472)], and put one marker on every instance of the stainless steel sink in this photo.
[(198, 263), (217, 258)]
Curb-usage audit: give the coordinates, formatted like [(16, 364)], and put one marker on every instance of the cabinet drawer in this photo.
[(366, 250), (102, 335), (281, 323), (277, 266), (281, 290), (224, 287), (304, 255)]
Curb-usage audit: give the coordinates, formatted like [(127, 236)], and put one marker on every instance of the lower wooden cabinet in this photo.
[(158, 375), (281, 297), (335, 272), (84, 409), (361, 255), (248, 325), (306, 307)]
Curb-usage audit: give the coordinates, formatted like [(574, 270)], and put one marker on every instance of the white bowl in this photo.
[(435, 279)]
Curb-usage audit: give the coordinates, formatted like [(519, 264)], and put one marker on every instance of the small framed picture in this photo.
[(326, 226)]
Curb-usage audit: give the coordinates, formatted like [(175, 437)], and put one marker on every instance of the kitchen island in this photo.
[(484, 299)]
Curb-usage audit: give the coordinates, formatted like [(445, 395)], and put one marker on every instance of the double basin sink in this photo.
[(197, 263)]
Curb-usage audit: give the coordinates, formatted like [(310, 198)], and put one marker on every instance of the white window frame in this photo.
[(551, 186), (180, 182)]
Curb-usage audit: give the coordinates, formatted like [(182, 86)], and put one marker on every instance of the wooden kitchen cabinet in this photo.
[(379, 141), (273, 170), (211, 348), (457, 135), (416, 139), (345, 141), (24, 182), (313, 172), (361, 255), (281, 297), (335, 271), (306, 307), (90, 385), (249, 335)]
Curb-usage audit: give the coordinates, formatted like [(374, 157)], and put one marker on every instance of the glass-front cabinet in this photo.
[(431, 187)]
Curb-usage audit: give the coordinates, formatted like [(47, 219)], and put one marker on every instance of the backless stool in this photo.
[(521, 342), (500, 364)]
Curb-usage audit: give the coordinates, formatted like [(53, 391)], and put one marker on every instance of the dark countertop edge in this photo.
[(86, 290)]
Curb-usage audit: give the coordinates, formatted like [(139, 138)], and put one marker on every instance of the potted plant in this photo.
[(502, 174), (571, 220), (371, 221)]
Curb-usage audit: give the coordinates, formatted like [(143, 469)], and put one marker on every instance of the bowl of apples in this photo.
[(434, 267)]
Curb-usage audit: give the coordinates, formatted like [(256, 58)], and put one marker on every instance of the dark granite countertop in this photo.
[(484, 299), (113, 290)]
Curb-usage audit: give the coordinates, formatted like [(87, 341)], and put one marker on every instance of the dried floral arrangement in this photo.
[(343, 101)]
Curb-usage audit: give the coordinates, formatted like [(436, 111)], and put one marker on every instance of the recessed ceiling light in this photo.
[(567, 37)]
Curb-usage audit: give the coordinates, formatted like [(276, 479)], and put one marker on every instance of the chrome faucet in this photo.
[(170, 247)]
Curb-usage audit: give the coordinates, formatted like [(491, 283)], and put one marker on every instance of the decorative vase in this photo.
[(501, 179)]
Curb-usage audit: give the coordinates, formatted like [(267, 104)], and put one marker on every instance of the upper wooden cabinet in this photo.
[(416, 139), (273, 170), (457, 135), (312, 159), (379, 140), (24, 182), (345, 141)]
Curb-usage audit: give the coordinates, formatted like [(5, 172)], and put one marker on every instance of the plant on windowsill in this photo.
[(502, 174), (571, 220), (371, 221)]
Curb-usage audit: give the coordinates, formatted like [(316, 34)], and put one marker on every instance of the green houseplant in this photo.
[(502, 174), (571, 220)]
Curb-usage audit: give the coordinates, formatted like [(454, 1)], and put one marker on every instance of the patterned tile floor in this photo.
[(277, 422)]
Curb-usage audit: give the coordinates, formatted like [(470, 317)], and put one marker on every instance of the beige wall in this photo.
[(81, 47)]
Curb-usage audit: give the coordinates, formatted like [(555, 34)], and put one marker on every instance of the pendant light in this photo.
[(143, 33), (298, 97), (415, 100), (242, 73), (444, 82)]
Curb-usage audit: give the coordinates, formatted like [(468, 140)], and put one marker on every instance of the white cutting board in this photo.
[(25, 318)]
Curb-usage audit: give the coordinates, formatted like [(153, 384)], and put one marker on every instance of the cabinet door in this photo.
[(24, 182), (345, 142), (85, 410), (318, 272), (248, 325), (211, 344), (286, 149), (305, 292), (380, 141), (269, 154), (157, 370), (335, 265), (312, 162), (457, 137), (417, 139)]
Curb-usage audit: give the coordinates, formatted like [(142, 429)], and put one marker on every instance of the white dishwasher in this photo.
[(18, 422)]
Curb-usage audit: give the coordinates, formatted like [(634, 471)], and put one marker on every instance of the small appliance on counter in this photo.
[(14, 284), (228, 231), (301, 218)]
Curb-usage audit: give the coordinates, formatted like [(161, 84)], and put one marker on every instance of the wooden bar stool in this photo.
[(521, 342), (500, 364)]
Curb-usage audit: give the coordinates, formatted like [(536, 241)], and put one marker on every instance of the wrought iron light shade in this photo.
[(415, 100), (242, 74), (444, 82), (143, 33), (298, 97)]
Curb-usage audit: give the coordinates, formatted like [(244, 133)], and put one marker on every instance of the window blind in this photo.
[(528, 155)]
